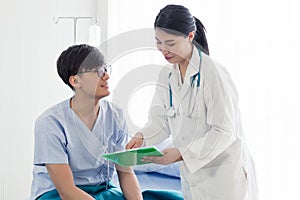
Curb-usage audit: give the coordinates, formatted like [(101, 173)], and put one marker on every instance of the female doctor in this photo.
[(196, 103)]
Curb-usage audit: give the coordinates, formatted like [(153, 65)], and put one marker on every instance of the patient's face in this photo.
[(92, 86)]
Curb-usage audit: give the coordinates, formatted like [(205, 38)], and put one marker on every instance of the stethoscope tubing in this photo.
[(171, 111)]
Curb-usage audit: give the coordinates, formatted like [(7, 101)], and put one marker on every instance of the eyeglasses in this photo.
[(101, 71)]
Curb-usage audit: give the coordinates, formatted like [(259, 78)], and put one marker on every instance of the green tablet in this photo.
[(132, 157)]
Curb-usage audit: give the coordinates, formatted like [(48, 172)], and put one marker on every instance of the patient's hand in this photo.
[(136, 141), (171, 155)]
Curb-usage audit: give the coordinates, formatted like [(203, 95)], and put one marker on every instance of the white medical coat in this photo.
[(216, 164)]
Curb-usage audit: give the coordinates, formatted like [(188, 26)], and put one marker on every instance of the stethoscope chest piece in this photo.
[(171, 112)]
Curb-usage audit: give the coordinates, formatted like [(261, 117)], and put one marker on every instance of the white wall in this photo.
[(30, 44)]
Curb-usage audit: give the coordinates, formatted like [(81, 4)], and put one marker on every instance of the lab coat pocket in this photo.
[(226, 182), (213, 183)]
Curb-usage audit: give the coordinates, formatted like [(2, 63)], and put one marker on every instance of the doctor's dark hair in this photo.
[(177, 20), (78, 58)]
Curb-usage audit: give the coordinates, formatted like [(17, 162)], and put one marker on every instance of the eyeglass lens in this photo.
[(103, 70)]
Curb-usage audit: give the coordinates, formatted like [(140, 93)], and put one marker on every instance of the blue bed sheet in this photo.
[(154, 180), (157, 186)]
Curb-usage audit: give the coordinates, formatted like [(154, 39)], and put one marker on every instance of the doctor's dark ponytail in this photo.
[(200, 36), (177, 20)]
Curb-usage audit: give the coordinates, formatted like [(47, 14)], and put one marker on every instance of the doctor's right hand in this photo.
[(136, 141)]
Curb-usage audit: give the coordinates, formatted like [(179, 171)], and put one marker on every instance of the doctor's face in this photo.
[(173, 47)]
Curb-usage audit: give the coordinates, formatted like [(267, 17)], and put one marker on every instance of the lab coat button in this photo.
[(192, 185)]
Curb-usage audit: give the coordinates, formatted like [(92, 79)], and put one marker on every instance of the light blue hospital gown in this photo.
[(61, 137)]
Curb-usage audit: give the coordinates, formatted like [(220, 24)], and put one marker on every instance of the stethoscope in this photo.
[(171, 111)]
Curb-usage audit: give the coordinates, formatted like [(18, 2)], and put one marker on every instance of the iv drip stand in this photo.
[(75, 19)]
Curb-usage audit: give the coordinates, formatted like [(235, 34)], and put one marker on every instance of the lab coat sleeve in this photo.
[(157, 128), (220, 99)]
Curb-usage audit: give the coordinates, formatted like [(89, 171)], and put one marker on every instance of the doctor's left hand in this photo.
[(171, 155)]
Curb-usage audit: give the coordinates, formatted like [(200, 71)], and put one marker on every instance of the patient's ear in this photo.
[(74, 82)]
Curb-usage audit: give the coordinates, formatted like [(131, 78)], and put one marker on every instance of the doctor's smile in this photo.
[(168, 58)]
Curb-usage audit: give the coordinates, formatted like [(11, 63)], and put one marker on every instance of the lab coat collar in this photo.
[(192, 70), (175, 82), (193, 67)]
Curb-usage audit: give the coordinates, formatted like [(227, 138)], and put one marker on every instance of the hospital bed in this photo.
[(158, 182), (157, 177)]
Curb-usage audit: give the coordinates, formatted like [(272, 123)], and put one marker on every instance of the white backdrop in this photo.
[(257, 40)]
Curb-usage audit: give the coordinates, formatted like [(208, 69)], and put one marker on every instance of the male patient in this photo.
[(72, 136)]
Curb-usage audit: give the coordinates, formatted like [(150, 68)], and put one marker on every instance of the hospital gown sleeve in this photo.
[(50, 142), (220, 97)]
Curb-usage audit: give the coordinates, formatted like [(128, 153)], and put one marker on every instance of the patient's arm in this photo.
[(129, 184), (62, 178)]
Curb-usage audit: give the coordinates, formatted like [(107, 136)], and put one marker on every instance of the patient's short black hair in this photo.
[(78, 58)]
